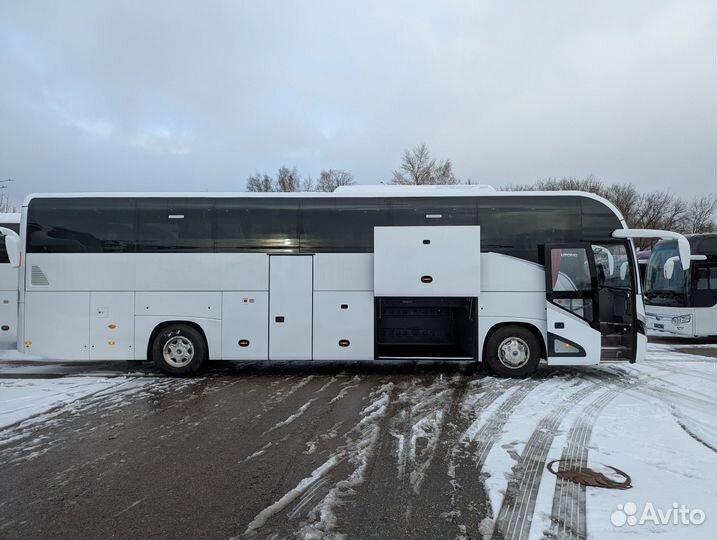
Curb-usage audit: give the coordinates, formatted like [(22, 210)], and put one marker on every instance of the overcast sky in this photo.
[(186, 96)]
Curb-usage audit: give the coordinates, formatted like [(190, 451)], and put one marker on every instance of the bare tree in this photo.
[(590, 184), (418, 168), (701, 215), (288, 179), (443, 173), (260, 182), (626, 198), (307, 184), (330, 179), (660, 210)]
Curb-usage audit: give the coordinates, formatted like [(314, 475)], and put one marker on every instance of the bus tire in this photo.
[(179, 349), (512, 351)]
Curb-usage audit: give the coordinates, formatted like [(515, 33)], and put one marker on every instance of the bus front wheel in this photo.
[(179, 349), (512, 351)]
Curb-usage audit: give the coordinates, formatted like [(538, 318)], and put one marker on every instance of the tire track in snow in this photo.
[(516, 512), (407, 441), (468, 445), (689, 431), (488, 433), (671, 399), (279, 424), (478, 411), (683, 370), (323, 495), (299, 412), (476, 442), (568, 516), (417, 429)]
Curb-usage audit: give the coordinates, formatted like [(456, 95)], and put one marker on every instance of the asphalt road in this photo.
[(277, 451), (203, 458)]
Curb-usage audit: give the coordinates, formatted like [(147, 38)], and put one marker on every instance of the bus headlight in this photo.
[(682, 319)]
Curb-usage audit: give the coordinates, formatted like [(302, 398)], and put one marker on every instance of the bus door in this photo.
[(704, 295), (290, 307), (616, 281), (572, 305)]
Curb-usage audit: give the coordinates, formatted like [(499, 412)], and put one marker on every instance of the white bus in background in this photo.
[(683, 302), (364, 273), (10, 222)]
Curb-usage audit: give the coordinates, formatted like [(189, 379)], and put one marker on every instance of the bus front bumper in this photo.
[(668, 322)]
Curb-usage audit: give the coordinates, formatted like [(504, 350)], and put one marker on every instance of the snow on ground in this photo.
[(656, 421), (21, 399), (659, 425), (664, 434)]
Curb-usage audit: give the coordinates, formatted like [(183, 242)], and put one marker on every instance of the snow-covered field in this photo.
[(466, 455)]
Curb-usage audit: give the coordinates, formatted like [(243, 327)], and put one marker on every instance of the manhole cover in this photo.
[(610, 477)]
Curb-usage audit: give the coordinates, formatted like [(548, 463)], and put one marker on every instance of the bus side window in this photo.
[(707, 278)]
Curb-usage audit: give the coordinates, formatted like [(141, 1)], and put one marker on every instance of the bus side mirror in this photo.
[(669, 267), (670, 264), (623, 271), (12, 246)]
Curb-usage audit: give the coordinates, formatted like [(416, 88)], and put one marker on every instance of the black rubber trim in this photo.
[(551, 350)]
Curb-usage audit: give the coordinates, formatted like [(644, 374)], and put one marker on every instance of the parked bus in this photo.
[(683, 302), (10, 222), (364, 273)]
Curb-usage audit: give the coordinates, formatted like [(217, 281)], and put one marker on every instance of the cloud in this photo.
[(167, 95), (162, 140)]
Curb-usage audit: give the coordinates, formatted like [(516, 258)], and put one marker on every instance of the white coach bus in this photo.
[(9, 225), (364, 273), (683, 302)]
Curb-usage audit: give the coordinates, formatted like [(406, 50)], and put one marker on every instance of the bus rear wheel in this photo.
[(179, 349), (512, 351)]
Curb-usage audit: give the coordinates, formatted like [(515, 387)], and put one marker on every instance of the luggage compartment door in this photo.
[(439, 261), (111, 325), (290, 307)]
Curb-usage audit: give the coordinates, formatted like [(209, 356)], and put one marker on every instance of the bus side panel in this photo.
[(641, 351), (343, 272), (111, 325), (153, 308), (245, 330), (58, 327), (148, 271), (510, 308), (8, 304), (343, 325), (705, 321), (512, 291), (179, 304)]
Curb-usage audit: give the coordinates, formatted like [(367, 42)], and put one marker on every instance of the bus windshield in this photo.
[(659, 290)]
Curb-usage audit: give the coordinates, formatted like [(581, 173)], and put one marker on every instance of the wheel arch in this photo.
[(528, 326), (164, 324)]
